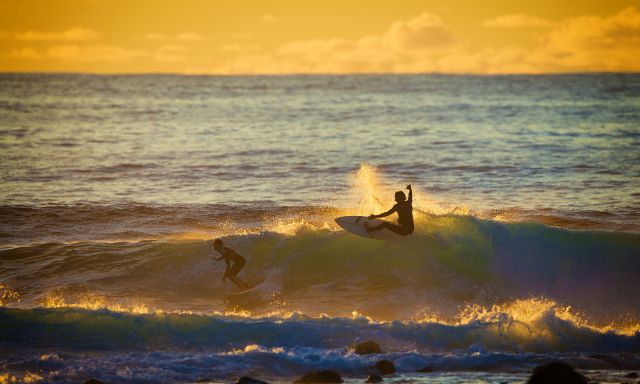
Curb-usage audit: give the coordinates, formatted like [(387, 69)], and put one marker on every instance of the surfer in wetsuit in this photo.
[(405, 215), (229, 256)]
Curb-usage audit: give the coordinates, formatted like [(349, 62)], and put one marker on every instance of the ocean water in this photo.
[(526, 249)]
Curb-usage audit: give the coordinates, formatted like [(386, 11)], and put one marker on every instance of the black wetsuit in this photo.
[(405, 216), (232, 256), (405, 219)]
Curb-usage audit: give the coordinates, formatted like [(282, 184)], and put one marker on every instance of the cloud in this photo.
[(426, 44), (171, 53), (24, 53), (236, 47), (401, 45), (188, 36), (593, 43), (593, 32), (243, 36), (95, 53), (269, 18), (517, 20), (424, 31), (74, 53), (183, 36), (154, 36), (76, 34)]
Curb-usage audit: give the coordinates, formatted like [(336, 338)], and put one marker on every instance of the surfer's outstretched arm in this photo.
[(393, 209)]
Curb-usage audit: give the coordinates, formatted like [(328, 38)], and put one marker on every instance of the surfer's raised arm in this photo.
[(410, 199)]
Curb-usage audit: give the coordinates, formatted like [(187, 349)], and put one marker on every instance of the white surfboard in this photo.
[(252, 288), (355, 225), (247, 298)]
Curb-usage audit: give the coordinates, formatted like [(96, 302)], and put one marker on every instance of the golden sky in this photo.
[(319, 36)]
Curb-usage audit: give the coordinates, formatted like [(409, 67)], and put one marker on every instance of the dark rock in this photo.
[(426, 369), (93, 381), (374, 379), (204, 380), (320, 377), (631, 375), (556, 372), (249, 380), (367, 348), (385, 367)]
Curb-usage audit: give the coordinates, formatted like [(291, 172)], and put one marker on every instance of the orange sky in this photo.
[(327, 36)]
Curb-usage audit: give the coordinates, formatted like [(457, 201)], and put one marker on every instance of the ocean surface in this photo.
[(526, 248)]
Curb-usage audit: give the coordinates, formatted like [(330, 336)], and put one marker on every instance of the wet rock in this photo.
[(325, 376), (426, 369), (556, 372), (367, 348), (93, 381), (631, 375), (385, 367), (249, 380), (373, 379)]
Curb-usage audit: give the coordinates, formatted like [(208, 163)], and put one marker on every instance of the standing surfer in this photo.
[(229, 256), (404, 208)]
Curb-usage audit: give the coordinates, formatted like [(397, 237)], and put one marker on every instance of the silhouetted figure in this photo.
[(404, 209), (229, 256)]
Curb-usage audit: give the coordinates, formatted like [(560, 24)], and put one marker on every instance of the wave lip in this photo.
[(78, 329)]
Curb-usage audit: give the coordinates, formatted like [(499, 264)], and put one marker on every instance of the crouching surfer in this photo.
[(235, 262), (404, 208)]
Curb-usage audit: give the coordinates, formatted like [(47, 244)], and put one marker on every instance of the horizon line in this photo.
[(328, 74)]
